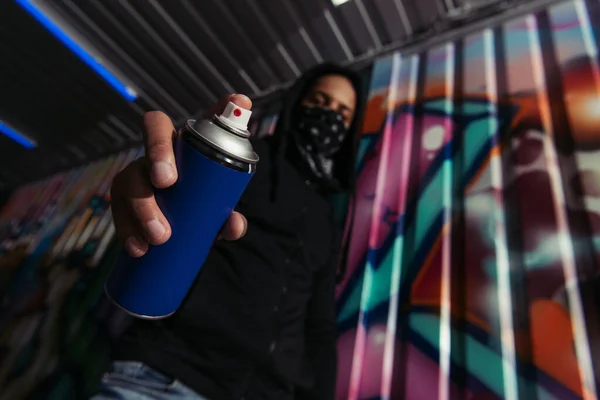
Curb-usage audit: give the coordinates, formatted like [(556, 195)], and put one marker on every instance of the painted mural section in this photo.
[(473, 266), (56, 247)]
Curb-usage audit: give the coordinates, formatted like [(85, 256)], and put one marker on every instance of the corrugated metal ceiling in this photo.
[(179, 56)]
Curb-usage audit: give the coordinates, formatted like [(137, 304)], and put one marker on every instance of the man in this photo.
[(259, 322)]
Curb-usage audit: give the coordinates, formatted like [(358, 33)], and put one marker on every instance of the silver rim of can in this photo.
[(221, 122), (241, 151), (141, 316)]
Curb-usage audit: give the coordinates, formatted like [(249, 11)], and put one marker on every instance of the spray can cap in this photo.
[(235, 116)]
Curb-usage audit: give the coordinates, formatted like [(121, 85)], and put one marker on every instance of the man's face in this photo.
[(333, 92)]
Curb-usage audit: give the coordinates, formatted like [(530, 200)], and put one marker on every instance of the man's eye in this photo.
[(313, 102)]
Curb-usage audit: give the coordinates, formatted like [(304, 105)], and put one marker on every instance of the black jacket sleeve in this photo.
[(321, 334)]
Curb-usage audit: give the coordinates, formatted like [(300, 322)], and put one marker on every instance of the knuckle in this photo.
[(142, 209), (160, 149)]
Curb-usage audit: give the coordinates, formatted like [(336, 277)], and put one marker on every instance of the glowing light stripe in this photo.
[(124, 90), (504, 290), (16, 136), (361, 335), (398, 249), (445, 295)]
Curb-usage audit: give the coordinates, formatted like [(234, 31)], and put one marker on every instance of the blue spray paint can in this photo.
[(215, 161)]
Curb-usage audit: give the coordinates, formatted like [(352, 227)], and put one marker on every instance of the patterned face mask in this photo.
[(321, 130), (319, 136)]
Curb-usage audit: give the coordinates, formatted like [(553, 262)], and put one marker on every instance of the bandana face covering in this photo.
[(319, 136)]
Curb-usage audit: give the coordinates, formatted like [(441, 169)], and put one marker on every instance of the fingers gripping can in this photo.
[(215, 161)]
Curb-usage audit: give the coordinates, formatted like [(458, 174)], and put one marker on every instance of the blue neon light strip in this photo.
[(16, 136), (125, 91)]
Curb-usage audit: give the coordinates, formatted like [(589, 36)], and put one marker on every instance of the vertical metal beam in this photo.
[(399, 4), (190, 45), (219, 44), (338, 35), (166, 48), (368, 23), (263, 20), (93, 27), (305, 36)]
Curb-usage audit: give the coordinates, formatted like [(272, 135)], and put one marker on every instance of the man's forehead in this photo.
[(338, 88)]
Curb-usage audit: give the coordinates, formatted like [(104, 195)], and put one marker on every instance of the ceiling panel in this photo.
[(355, 27), (178, 56), (394, 18), (289, 27), (328, 38), (195, 26)]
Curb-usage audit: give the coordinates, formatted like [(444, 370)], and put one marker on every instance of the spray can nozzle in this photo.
[(236, 118)]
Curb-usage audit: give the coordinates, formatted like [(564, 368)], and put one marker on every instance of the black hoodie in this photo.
[(345, 160), (259, 321)]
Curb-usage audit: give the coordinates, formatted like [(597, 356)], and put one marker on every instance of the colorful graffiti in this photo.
[(474, 271), (55, 251)]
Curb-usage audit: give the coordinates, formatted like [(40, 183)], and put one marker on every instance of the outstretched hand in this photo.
[(138, 220)]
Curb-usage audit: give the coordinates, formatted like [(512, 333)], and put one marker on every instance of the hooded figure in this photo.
[(290, 134), (260, 321), (337, 183)]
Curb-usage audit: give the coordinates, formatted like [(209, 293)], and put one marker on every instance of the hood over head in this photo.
[(344, 159)]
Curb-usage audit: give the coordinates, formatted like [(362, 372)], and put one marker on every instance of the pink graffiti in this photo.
[(435, 132), (415, 375)]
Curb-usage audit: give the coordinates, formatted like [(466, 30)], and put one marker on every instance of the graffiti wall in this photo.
[(56, 241), (473, 266)]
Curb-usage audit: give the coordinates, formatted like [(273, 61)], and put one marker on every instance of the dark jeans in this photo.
[(130, 380)]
